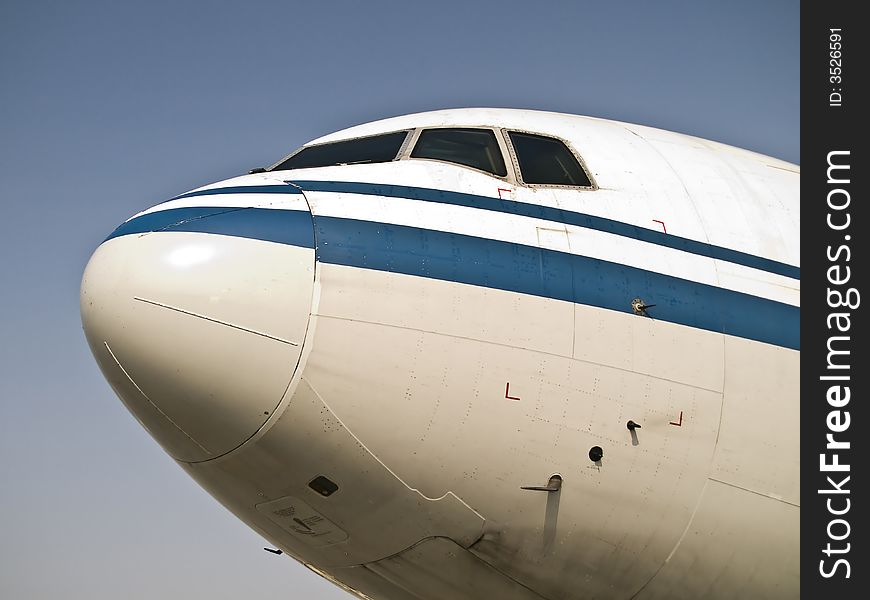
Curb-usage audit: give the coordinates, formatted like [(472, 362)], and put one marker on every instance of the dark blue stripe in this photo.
[(557, 215), (243, 189), (493, 264), (551, 274), (293, 227)]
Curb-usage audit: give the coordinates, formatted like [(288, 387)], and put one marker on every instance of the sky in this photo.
[(107, 108)]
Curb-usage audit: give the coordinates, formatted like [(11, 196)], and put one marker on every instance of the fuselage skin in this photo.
[(366, 362)]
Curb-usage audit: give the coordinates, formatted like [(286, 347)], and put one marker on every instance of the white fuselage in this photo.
[(366, 363)]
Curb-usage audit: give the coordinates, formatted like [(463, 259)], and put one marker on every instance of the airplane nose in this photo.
[(198, 334)]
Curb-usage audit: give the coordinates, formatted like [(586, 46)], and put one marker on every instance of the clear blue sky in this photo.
[(109, 107)]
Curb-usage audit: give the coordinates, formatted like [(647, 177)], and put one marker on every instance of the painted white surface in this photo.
[(174, 320)]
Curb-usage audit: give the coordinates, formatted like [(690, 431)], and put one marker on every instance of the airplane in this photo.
[(480, 353)]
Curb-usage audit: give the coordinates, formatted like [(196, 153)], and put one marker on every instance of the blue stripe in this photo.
[(559, 216), (243, 189), (552, 274), (293, 227), (494, 264)]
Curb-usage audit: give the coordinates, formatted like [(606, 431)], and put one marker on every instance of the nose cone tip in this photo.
[(198, 334)]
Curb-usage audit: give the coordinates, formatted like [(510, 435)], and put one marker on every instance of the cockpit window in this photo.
[(372, 149), (476, 148), (547, 161)]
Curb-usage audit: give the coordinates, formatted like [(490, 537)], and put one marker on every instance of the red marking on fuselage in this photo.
[(507, 391), (662, 223), (680, 423), (500, 190)]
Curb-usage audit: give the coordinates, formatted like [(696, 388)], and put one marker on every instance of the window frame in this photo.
[(510, 174), (402, 148), (505, 131)]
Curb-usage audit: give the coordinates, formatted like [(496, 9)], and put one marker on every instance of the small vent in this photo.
[(323, 485)]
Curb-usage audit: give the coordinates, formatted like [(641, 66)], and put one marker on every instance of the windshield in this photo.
[(373, 149), (475, 148)]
